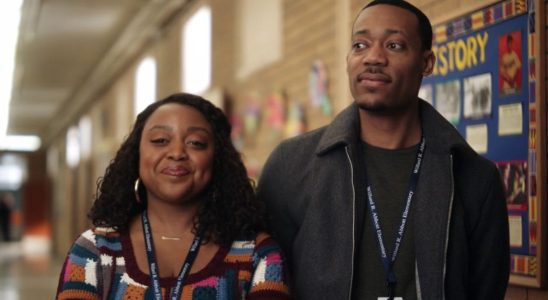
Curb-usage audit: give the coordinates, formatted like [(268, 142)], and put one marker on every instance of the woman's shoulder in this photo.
[(261, 245), (106, 232), (260, 239), (108, 238), (263, 240)]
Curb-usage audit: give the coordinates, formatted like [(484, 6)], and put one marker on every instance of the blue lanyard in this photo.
[(153, 266), (388, 262)]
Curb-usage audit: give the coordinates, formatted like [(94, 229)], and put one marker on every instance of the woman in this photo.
[(175, 217)]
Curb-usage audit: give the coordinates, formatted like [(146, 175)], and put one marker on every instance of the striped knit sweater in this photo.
[(101, 265)]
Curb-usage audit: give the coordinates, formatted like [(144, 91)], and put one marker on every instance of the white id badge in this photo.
[(386, 298)]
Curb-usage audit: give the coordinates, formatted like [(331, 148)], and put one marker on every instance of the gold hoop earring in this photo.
[(136, 189)]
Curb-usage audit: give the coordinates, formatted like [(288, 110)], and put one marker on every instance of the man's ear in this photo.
[(429, 61)]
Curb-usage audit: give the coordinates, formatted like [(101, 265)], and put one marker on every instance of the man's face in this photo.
[(386, 63)]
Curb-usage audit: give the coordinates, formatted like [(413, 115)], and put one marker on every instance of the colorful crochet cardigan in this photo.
[(101, 265)]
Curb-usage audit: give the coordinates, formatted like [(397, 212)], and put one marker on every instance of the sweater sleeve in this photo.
[(79, 276), (270, 273)]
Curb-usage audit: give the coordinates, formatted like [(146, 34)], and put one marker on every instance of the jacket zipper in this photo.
[(353, 223), (448, 225)]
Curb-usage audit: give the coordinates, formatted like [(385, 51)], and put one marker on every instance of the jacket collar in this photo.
[(343, 130), (441, 136)]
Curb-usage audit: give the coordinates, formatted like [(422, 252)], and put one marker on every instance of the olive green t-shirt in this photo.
[(388, 172)]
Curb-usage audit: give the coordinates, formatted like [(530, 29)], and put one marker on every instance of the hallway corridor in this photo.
[(26, 277)]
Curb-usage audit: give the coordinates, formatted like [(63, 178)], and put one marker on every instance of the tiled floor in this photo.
[(27, 277)]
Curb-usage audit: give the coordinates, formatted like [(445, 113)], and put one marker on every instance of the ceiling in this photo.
[(69, 49)]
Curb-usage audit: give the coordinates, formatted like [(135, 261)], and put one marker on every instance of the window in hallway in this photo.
[(260, 35), (145, 84), (196, 48)]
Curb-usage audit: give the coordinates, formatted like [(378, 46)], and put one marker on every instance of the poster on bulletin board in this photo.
[(484, 83)]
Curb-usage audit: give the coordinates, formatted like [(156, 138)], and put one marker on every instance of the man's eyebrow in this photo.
[(387, 32)]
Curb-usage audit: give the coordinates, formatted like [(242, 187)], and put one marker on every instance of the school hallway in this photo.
[(82, 71), (27, 276)]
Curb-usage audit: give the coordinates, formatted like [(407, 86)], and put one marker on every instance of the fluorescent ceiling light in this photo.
[(22, 143), (10, 14)]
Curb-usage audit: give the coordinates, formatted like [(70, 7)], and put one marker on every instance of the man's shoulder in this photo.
[(342, 129), (294, 147), (312, 136), (291, 157), (473, 169)]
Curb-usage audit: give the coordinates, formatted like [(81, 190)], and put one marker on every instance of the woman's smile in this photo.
[(177, 171)]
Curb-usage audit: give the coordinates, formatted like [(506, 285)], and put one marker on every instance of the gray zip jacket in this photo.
[(314, 191)]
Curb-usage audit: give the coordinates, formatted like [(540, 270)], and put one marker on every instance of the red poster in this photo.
[(510, 63)]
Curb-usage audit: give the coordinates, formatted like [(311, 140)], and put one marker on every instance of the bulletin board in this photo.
[(485, 83)]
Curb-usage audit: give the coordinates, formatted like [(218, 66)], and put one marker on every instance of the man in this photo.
[(6, 204), (388, 173)]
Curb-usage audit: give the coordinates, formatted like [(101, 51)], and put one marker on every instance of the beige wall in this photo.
[(312, 30)]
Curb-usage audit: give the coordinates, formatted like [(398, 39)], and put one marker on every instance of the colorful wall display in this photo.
[(251, 118), (318, 87), (484, 83), (275, 104), (295, 120)]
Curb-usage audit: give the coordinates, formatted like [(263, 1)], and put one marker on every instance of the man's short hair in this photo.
[(425, 28)]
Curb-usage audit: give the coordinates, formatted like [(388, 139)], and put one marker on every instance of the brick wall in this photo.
[(309, 34)]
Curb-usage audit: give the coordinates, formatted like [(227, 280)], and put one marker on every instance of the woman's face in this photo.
[(176, 154)]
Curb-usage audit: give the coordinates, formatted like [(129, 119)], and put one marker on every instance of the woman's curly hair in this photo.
[(230, 210)]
